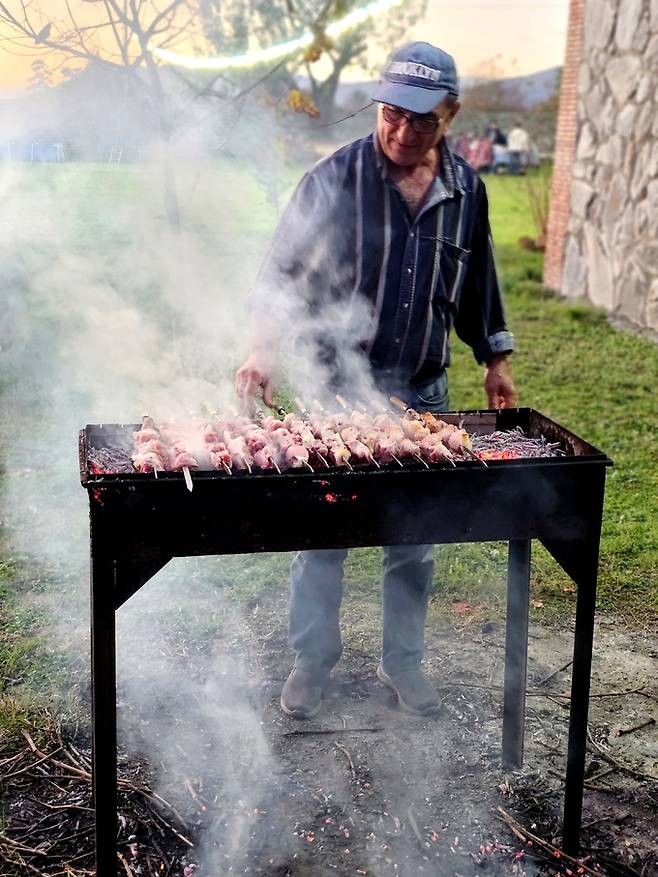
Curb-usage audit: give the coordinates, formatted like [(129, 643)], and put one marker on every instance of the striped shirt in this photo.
[(367, 275)]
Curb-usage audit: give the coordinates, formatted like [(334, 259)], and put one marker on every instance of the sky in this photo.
[(500, 37)]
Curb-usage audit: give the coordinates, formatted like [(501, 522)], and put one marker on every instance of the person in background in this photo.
[(480, 154), (398, 225), (518, 144), (495, 134), (461, 145)]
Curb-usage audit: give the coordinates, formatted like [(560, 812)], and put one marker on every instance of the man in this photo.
[(395, 227), (518, 144)]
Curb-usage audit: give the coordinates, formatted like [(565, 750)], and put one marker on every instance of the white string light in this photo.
[(280, 50)]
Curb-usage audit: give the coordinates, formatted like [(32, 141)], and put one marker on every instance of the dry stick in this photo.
[(347, 755), (554, 673), (414, 827), (126, 784), (331, 731), (618, 764), (28, 767), (129, 871), (645, 724), (22, 863), (555, 853)]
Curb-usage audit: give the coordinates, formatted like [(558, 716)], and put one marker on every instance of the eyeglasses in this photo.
[(421, 124)]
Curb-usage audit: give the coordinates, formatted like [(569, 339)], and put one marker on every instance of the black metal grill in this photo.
[(138, 523)]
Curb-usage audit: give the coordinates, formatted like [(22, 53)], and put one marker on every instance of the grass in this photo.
[(571, 364)]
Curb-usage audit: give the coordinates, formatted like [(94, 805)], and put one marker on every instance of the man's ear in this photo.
[(454, 110)]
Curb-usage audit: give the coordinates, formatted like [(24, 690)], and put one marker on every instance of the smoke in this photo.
[(108, 312)]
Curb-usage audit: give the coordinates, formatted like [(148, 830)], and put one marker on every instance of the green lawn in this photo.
[(73, 231)]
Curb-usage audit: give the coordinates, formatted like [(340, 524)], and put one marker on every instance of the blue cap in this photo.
[(417, 78)]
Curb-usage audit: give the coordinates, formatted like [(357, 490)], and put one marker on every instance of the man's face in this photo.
[(399, 138)]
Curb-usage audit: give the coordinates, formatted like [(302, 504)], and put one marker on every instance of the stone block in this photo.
[(644, 89), (584, 78), (581, 195), (586, 142), (594, 102), (623, 75), (641, 36), (614, 199), (598, 267), (611, 152), (645, 119), (628, 18), (631, 296), (599, 22), (642, 218), (652, 199), (641, 175), (626, 118), (651, 53), (574, 274)]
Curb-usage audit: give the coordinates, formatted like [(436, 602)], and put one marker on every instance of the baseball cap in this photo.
[(417, 78)]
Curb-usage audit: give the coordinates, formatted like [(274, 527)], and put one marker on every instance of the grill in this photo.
[(138, 523)]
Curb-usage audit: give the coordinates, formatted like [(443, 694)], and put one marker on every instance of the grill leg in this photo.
[(516, 651), (580, 682), (103, 698)]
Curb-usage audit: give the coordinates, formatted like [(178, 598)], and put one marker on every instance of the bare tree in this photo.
[(229, 26), (118, 34)]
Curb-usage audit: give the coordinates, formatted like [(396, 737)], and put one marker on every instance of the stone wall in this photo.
[(611, 241)]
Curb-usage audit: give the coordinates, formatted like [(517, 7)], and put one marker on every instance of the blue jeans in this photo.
[(316, 586)]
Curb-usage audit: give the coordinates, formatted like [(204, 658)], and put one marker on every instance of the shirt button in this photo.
[(412, 235), (410, 270), (397, 340), (405, 305)]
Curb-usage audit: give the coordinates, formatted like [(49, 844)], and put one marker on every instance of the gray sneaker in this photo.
[(302, 694), (415, 692)]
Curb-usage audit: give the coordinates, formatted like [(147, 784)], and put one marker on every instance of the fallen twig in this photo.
[(618, 764), (414, 827), (331, 731), (554, 673), (645, 724), (555, 853), (347, 755), (129, 871)]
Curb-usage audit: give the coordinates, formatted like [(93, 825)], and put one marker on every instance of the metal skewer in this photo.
[(308, 466), (372, 459), (471, 453), (397, 460), (188, 478), (398, 403), (420, 460), (302, 408), (326, 462), (275, 464)]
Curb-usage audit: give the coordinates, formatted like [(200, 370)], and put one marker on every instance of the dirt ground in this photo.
[(365, 789)]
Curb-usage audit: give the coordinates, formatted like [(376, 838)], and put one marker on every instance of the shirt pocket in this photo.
[(449, 269)]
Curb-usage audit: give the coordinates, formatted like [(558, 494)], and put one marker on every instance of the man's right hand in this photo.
[(249, 379)]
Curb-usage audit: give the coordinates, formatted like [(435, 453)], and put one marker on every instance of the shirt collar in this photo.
[(446, 176)]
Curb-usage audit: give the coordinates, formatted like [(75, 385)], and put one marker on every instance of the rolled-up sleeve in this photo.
[(480, 320)]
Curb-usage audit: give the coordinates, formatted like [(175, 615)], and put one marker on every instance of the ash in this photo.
[(514, 443), (110, 460)]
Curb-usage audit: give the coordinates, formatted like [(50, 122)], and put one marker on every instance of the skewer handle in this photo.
[(398, 403)]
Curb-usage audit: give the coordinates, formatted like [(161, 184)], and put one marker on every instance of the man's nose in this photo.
[(407, 133)]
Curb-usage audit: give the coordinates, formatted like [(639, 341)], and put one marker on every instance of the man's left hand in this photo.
[(498, 384)]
